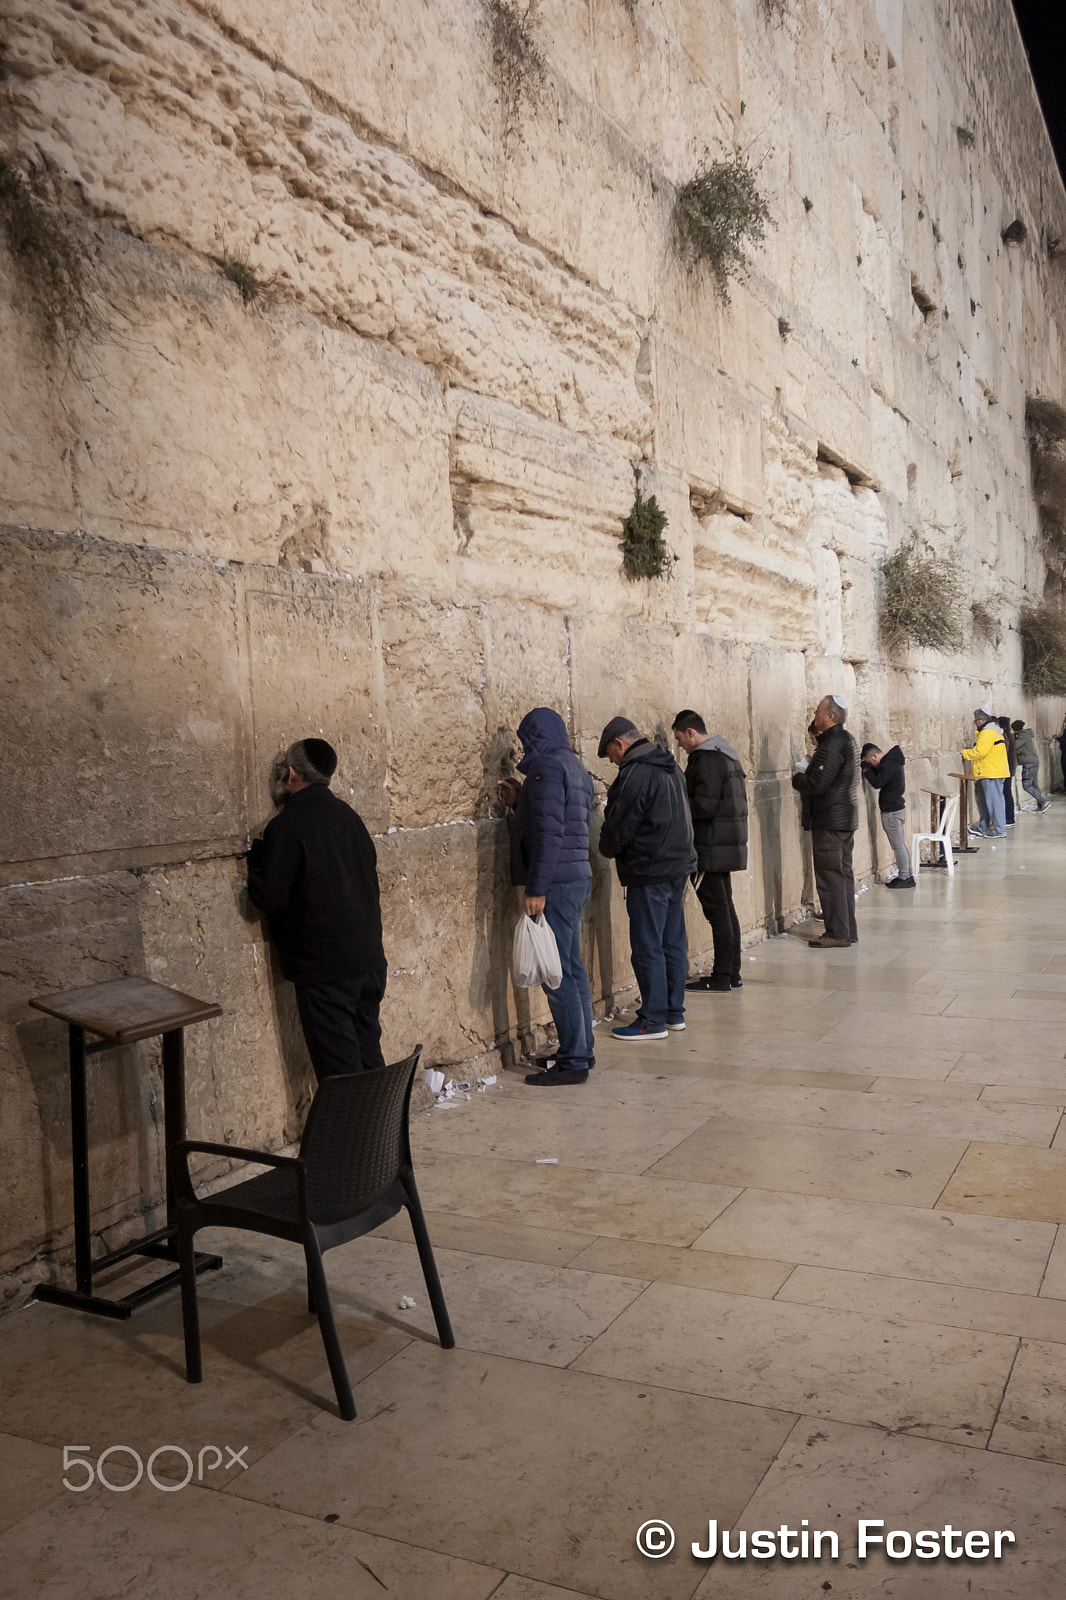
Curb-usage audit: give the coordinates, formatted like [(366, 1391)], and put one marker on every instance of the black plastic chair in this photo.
[(353, 1173)]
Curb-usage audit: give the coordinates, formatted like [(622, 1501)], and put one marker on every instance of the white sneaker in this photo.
[(676, 1027)]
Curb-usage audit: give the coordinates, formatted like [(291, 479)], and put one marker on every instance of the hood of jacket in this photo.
[(652, 754), (894, 757), (717, 741), (541, 731)]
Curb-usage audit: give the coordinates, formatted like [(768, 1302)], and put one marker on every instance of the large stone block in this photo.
[(434, 666), (122, 677), (314, 668)]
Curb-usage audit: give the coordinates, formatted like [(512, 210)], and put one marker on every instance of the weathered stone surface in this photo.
[(130, 657)]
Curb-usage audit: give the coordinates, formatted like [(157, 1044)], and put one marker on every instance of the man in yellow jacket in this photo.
[(990, 767)]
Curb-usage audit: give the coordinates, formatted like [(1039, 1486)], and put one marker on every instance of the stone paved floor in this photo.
[(805, 1260)]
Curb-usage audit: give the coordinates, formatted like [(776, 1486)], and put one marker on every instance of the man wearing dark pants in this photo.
[(829, 788), (1029, 761), (550, 859), (714, 780), (314, 873), (647, 831)]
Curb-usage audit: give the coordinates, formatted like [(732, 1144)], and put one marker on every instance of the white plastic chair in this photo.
[(942, 837)]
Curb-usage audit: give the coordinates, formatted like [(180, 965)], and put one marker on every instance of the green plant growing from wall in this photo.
[(517, 64), (644, 550), (49, 259), (718, 214), (236, 268), (922, 599), (1043, 631)]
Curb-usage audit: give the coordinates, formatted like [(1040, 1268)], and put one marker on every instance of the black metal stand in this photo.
[(160, 1245)]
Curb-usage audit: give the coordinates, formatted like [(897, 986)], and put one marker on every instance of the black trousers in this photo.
[(715, 895), (340, 1023), (835, 881)]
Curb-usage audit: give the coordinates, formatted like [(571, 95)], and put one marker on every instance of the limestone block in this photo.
[(711, 675), (60, 936), (752, 581), (779, 710), (708, 430), (791, 449), (828, 618), (314, 669), (527, 651), (620, 667), (776, 846), (351, 231), (433, 654), (327, 450), (538, 509), (122, 677), (449, 915)]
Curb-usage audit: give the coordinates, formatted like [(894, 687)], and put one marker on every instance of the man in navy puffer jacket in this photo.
[(550, 858)]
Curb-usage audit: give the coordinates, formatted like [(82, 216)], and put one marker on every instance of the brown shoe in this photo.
[(826, 943)]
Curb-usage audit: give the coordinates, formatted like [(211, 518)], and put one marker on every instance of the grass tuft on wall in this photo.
[(48, 257), (1043, 631), (718, 215), (922, 600)]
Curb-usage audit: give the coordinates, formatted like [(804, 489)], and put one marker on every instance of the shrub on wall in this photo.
[(984, 617), (1043, 631), (644, 550), (922, 599), (48, 259), (718, 214)]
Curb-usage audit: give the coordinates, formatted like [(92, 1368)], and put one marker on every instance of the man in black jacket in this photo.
[(717, 799), (829, 788), (883, 770), (314, 873), (647, 831)]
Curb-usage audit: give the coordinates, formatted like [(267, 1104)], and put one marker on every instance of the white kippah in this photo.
[(839, 700), (985, 711)]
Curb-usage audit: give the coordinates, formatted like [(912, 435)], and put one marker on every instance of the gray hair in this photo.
[(838, 712)]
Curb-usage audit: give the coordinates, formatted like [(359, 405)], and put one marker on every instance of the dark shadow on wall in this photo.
[(767, 802), (496, 908), (598, 941)]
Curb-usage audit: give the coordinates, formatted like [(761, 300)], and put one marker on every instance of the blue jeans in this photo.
[(992, 806), (570, 1004), (659, 948)]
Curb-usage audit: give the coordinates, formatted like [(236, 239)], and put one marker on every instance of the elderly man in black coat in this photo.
[(829, 788), (717, 799)]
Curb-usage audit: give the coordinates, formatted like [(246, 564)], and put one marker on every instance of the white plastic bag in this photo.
[(536, 955)]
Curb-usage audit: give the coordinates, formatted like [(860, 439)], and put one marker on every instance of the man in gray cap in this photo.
[(829, 788), (647, 832), (314, 873)]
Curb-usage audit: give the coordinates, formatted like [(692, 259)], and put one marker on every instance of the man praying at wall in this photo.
[(829, 788), (314, 873)]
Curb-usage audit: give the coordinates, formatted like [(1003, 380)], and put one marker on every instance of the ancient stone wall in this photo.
[(382, 498)]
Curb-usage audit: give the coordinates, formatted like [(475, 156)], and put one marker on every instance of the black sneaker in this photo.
[(901, 883), (737, 982), (555, 1077), (711, 983)]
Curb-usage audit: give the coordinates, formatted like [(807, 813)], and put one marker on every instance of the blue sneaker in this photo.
[(637, 1030)]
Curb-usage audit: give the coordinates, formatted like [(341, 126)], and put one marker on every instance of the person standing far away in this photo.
[(314, 873), (829, 789), (883, 770), (714, 779), (550, 860), (1029, 761), (989, 758), (1060, 740), (1012, 765), (647, 832)]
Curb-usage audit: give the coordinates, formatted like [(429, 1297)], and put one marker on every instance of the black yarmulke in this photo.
[(321, 755)]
